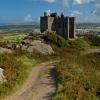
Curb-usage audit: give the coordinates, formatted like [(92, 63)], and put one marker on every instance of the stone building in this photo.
[(64, 26)]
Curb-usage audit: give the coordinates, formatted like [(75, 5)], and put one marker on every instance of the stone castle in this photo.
[(63, 26)]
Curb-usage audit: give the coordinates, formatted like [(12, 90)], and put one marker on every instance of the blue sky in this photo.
[(16, 11)]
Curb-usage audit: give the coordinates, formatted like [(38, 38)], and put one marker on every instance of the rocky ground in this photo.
[(32, 42)]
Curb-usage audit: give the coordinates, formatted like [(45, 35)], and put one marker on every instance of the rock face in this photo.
[(2, 77), (40, 47), (35, 42), (30, 43), (4, 50)]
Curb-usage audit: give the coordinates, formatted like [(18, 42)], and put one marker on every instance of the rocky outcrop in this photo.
[(40, 47), (5, 50), (2, 77), (35, 42), (32, 42)]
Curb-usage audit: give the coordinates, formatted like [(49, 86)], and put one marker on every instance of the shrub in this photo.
[(55, 39), (79, 44)]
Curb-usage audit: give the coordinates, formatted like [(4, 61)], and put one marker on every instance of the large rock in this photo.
[(24, 47), (5, 50), (2, 77), (40, 47)]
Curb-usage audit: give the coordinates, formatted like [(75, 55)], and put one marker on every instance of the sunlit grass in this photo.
[(12, 37), (16, 70)]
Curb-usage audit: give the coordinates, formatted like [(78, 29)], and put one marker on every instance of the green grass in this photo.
[(12, 37), (16, 70), (78, 77)]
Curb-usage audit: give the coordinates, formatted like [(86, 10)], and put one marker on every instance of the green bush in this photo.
[(56, 39), (61, 42), (79, 43)]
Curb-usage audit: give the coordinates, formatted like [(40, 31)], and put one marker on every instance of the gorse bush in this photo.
[(56, 39)]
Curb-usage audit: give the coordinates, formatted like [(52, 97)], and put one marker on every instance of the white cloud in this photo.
[(50, 1), (75, 13), (80, 2), (61, 2), (28, 18), (64, 2), (96, 12), (97, 3), (48, 11)]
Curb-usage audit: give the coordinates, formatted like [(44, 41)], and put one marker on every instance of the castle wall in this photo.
[(66, 28), (43, 24), (51, 24), (59, 27), (71, 27), (63, 26), (47, 24)]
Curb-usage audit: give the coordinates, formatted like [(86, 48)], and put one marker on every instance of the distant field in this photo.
[(17, 28), (12, 37), (16, 32)]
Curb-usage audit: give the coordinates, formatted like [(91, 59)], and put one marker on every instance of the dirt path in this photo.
[(40, 85)]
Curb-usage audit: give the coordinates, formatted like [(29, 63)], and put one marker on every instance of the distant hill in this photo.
[(18, 28), (87, 25), (22, 23)]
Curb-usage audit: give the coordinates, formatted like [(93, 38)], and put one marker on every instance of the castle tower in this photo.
[(71, 27), (63, 26), (47, 23)]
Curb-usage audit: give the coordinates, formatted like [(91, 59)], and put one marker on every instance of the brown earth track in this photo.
[(40, 84)]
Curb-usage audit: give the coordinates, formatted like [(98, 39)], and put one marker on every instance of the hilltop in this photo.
[(76, 65)]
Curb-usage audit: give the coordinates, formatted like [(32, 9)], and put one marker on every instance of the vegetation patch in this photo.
[(55, 39), (78, 77), (12, 37), (16, 70), (93, 40)]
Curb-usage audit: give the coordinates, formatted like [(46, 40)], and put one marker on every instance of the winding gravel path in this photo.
[(40, 85)]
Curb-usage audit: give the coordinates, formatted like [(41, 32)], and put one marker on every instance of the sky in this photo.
[(19, 11)]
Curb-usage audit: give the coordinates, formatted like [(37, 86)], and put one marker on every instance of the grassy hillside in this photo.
[(16, 69), (78, 76)]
